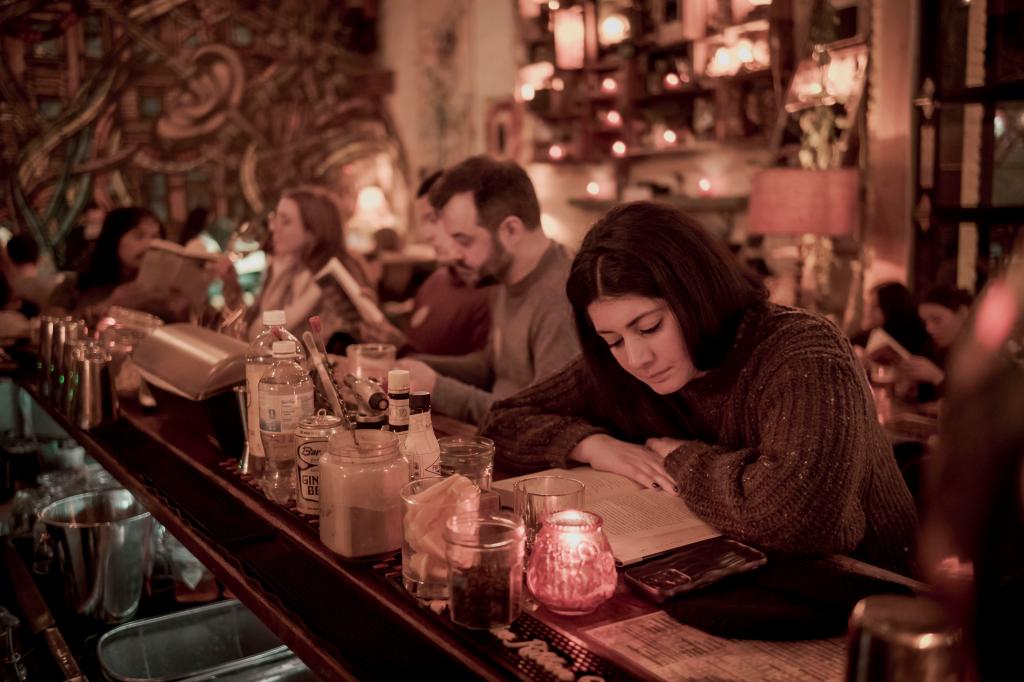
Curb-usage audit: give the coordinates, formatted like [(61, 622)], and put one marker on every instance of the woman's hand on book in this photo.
[(635, 462)]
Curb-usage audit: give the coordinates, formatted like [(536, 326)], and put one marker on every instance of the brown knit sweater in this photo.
[(782, 449)]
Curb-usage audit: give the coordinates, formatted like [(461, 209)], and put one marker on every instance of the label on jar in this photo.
[(307, 463)]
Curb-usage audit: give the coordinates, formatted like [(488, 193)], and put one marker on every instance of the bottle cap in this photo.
[(284, 349), (419, 401), (273, 317), (398, 381)]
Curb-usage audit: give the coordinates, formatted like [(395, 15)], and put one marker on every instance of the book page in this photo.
[(663, 647), (642, 524)]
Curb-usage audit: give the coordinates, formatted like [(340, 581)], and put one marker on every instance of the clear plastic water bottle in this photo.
[(285, 397), (258, 359)]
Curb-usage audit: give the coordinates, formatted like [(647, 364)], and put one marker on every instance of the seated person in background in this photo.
[(305, 232), (29, 289), (109, 279), (892, 307), (76, 251), (690, 382), (944, 311), (489, 210), (449, 316)]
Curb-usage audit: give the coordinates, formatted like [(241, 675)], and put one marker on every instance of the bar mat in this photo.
[(180, 486), (787, 599), (579, 660)]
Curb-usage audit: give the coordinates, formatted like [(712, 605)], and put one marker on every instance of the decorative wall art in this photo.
[(171, 105)]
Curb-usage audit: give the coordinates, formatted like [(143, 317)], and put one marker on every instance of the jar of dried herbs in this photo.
[(485, 568)]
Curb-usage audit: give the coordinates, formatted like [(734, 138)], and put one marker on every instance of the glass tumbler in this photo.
[(485, 567), (471, 456), (427, 503), (537, 497), (372, 361)]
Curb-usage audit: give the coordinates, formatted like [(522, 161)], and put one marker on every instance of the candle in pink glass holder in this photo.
[(572, 570)]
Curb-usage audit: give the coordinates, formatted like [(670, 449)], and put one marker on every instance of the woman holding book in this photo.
[(305, 233), (757, 415), (110, 277)]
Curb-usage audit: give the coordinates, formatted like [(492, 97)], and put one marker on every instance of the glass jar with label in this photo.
[(361, 478), (311, 440)]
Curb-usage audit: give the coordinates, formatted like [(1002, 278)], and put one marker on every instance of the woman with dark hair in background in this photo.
[(757, 415), (892, 307), (944, 311), (109, 278)]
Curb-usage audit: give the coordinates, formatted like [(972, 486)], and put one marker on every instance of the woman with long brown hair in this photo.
[(757, 415)]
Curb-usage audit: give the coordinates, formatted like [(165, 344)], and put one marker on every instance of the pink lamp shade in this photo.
[(795, 201)]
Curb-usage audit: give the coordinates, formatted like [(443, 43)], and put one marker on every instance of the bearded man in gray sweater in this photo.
[(490, 215)]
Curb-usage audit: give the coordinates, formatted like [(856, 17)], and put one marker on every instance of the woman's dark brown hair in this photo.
[(655, 251)]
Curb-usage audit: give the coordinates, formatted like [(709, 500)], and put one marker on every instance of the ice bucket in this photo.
[(99, 541)]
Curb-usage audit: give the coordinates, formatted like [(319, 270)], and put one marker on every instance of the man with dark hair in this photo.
[(447, 316), (490, 219)]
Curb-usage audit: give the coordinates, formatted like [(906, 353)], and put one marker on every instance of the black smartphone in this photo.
[(692, 567)]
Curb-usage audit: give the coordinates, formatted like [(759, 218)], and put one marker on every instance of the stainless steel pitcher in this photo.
[(58, 338), (99, 541), (46, 327), (93, 397)]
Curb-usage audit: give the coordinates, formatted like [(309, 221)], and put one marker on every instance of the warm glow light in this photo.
[(723, 59), (556, 152), (614, 29), (672, 81), (609, 84), (593, 188), (571, 569), (613, 118), (704, 185), (553, 5), (745, 51), (527, 92), (569, 38), (557, 84), (670, 136), (619, 148)]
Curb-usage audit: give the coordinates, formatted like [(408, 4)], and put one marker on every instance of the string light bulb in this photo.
[(527, 92), (619, 148), (613, 118), (670, 136), (593, 188), (556, 152), (609, 84)]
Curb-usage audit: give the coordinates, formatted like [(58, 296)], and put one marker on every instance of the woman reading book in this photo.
[(306, 231), (110, 278), (757, 415)]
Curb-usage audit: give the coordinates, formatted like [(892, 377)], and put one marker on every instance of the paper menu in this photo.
[(663, 647)]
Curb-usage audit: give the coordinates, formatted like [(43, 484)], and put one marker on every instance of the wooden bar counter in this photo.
[(351, 620)]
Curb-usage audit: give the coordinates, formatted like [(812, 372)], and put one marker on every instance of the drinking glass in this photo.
[(471, 456), (538, 497), (372, 361), (425, 509)]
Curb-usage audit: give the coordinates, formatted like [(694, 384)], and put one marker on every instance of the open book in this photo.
[(639, 522), (884, 349), (337, 275), (166, 265)]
